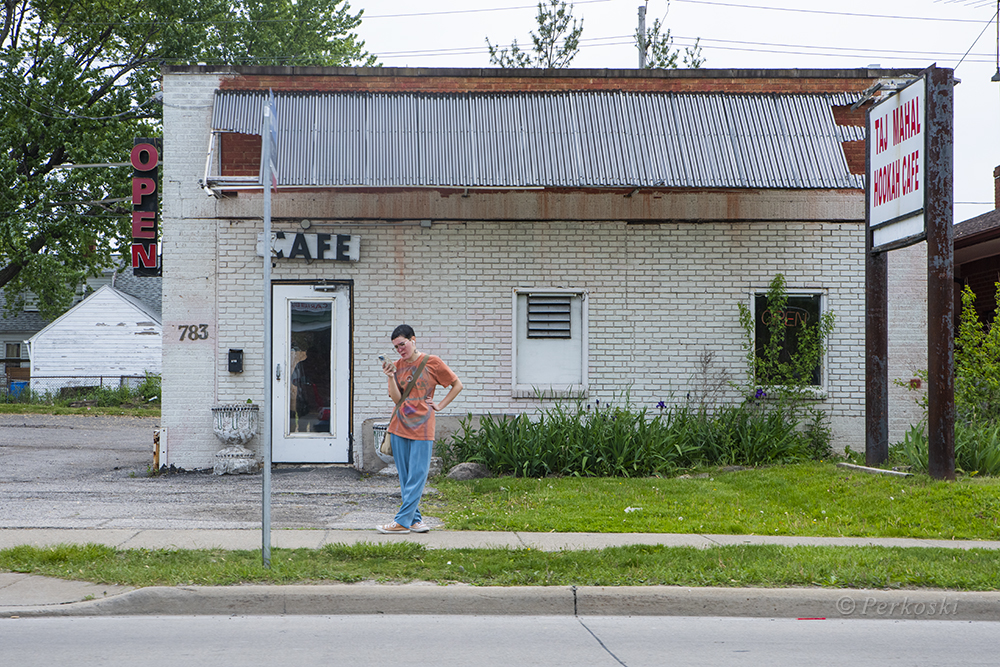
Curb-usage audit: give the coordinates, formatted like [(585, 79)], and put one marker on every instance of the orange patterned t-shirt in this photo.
[(415, 417)]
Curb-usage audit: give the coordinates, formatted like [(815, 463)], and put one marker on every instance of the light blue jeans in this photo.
[(413, 462)]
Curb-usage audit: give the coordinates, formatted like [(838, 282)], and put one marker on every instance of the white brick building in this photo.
[(651, 260)]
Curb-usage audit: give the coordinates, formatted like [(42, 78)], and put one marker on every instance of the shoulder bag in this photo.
[(386, 445)]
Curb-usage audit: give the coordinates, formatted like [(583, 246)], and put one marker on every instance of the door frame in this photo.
[(277, 419)]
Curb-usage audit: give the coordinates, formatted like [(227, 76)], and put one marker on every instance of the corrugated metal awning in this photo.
[(557, 139)]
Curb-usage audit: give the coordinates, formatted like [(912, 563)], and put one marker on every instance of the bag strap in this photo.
[(409, 386)]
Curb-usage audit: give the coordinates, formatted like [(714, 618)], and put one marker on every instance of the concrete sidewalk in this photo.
[(435, 539), (24, 595)]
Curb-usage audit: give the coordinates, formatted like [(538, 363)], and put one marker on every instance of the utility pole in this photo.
[(642, 37)]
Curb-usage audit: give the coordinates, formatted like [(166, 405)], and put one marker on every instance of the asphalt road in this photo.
[(94, 472), (489, 641)]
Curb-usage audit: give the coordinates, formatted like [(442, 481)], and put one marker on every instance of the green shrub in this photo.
[(977, 448), (977, 399), (150, 389), (977, 364), (618, 441)]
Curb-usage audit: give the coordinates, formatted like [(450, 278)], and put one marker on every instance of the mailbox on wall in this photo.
[(235, 361)]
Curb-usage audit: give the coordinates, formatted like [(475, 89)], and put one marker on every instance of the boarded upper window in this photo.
[(549, 316), (550, 343)]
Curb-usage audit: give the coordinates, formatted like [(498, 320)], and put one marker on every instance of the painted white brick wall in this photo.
[(189, 277), (661, 295), (907, 295)]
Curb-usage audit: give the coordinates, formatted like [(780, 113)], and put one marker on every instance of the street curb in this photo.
[(350, 599)]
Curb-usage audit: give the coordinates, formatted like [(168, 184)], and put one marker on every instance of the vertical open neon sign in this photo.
[(145, 161)]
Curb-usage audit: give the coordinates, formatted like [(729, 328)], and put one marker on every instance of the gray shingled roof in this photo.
[(980, 227), (147, 289), (554, 139), (20, 322)]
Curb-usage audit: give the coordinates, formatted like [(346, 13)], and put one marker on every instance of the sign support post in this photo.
[(877, 351), (909, 198), (940, 276)]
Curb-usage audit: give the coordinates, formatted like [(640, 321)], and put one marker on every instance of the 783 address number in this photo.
[(193, 331)]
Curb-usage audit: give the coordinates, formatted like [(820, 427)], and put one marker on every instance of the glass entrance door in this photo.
[(311, 338)]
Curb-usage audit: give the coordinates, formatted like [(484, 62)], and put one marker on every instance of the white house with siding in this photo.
[(109, 335)]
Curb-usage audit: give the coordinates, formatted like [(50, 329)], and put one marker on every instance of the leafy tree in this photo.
[(977, 364), (289, 32), (78, 81), (554, 45), (660, 52)]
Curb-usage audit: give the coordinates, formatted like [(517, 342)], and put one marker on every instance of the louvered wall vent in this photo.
[(549, 316)]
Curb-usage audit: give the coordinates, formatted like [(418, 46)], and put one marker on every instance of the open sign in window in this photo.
[(801, 311)]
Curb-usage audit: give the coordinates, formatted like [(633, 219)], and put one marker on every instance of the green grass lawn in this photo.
[(729, 566), (816, 499), (810, 499), (41, 409)]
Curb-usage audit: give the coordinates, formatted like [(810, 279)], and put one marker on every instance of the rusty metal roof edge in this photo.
[(566, 73), (560, 139)]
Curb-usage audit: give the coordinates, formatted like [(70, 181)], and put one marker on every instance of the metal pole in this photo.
[(268, 362), (876, 339), (877, 356), (642, 37), (940, 274)]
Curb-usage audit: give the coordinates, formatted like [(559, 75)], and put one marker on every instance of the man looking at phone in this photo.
[(412, 382)]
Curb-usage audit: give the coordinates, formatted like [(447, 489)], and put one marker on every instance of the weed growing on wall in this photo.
[(785, 364)]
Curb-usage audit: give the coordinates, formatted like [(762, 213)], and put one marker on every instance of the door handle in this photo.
[(277, 372)]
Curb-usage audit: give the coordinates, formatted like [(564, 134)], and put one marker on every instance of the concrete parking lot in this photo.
[(94, 472)]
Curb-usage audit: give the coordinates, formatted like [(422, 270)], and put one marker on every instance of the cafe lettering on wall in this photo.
[(145, 160), (329, 247)]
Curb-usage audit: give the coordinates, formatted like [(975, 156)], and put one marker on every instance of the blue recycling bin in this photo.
[(17, 386)]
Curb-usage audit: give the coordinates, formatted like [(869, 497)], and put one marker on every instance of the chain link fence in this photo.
[(96, 389)]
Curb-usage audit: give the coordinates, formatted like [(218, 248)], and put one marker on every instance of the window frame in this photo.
[(526, 390), (818, 391)]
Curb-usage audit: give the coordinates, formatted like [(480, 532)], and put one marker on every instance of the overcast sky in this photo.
[(738, 34)]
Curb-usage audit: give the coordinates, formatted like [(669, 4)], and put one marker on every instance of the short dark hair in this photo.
[(404, 330)]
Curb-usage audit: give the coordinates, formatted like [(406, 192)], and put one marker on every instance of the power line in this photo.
[(473, 11), (721, 44), (62, 113), (988, 24), (315, 19), (892, 17), (828, 12)]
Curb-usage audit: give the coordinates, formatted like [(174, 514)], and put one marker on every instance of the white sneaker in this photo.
[(392, 529), (420, 527)]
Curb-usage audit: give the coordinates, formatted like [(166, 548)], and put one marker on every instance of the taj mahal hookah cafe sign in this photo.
[(897, 174)]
